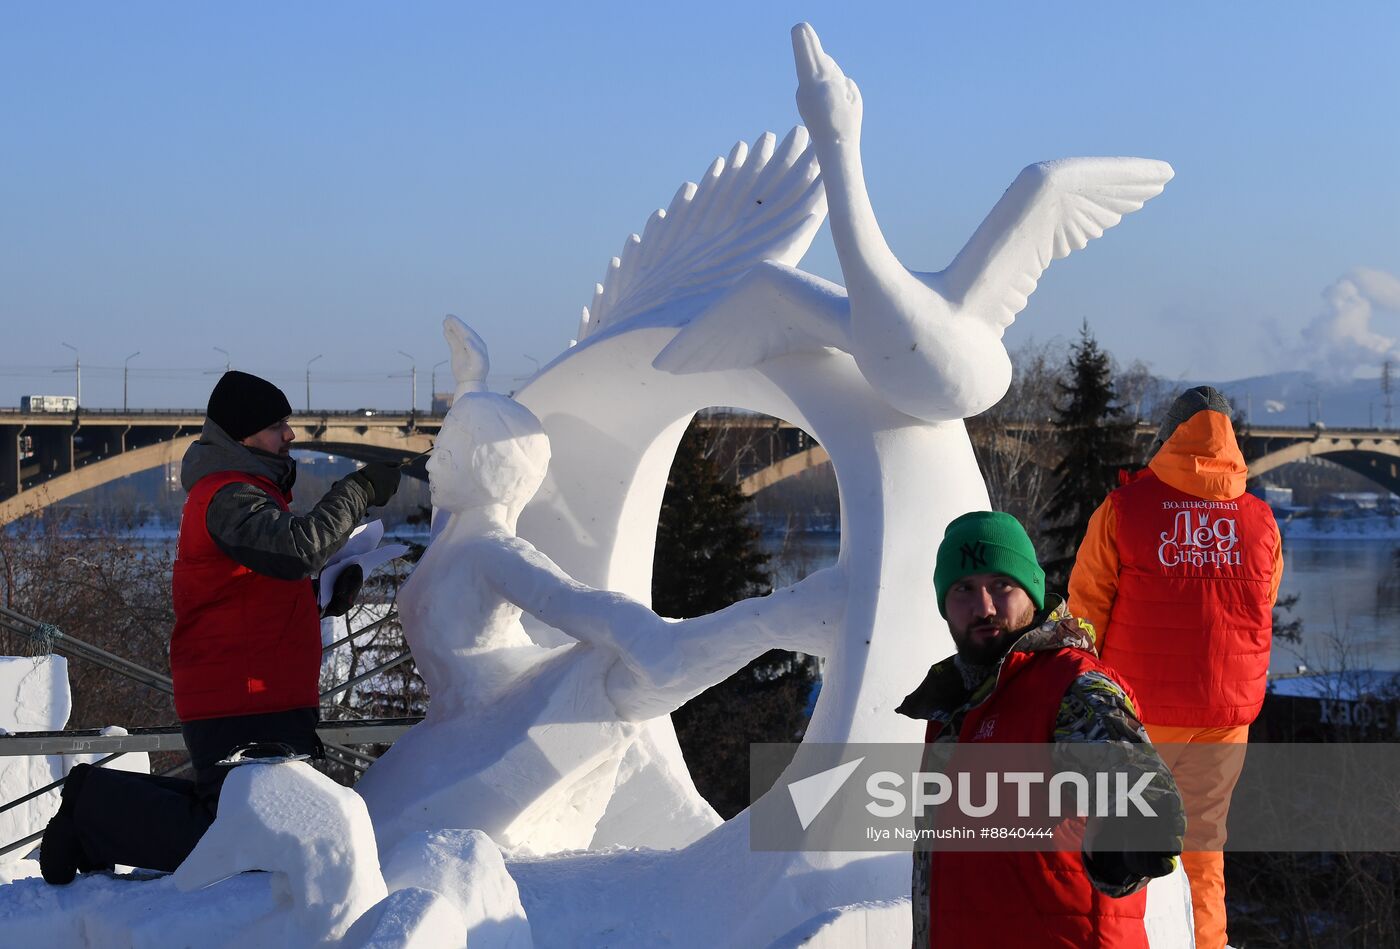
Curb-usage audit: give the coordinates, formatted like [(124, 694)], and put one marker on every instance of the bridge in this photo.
[(1371, 453), (46, 457)]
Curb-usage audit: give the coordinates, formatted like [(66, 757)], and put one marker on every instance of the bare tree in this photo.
[(101, 584), (1014, 440)]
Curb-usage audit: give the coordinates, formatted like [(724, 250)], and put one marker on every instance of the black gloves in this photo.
[(1126, 865), (1124, 848), (382, 480), (347, 587)]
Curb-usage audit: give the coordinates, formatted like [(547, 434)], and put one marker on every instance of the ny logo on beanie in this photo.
[(973, 556)]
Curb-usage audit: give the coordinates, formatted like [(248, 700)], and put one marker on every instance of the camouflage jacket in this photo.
[(1095, 708)]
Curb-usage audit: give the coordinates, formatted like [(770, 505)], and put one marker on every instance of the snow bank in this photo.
[(1369, 527), (137, 911), (313, 834), (1352, 686), (466, 868), (862, 926)]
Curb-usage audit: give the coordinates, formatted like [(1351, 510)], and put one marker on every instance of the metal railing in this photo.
[(334, 735), (50, 637)]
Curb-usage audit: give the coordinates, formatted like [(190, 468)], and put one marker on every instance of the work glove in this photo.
[(1126, 848), (382, 480), (347, 587)]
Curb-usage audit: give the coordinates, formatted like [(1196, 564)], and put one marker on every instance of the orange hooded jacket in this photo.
[(1201, 459)]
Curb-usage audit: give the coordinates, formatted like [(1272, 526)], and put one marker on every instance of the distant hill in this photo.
[(1300, 398)]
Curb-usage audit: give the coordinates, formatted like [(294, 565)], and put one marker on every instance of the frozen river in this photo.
[(1349, 602)]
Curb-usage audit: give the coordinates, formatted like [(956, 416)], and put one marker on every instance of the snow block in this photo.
[(410, 918), (1169, 922), (466, 867), (315, 835), (34, 697)]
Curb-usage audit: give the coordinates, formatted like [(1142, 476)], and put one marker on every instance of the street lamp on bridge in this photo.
[(413, 384), (308, 380), (126, 367), (77, 376), (228, 360), (432, 395)]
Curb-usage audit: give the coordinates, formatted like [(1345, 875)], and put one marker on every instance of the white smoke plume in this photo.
[(1341, 339)]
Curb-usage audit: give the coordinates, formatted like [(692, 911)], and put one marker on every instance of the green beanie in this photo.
[(987, 542)]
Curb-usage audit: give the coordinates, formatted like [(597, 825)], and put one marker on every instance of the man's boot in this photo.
[(60, 852)]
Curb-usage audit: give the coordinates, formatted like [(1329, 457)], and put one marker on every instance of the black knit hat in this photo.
[(242, 404)]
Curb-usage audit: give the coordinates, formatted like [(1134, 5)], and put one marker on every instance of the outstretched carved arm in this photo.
[(662, 664), (659, 676), (524, 576)]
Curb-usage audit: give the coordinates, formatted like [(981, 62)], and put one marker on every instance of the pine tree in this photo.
[(707, 557), (707, 552), (1097, 440)]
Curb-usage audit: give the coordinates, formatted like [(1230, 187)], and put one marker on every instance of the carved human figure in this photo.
[(520, 740)]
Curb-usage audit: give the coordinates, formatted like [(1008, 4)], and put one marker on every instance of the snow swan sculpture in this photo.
[(706, 308)]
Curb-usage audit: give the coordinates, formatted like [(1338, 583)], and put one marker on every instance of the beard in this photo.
[(986, 639)]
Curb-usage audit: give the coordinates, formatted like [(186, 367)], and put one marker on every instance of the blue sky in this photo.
[(288, 180)]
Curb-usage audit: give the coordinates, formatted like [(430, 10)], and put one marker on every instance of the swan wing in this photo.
[(1051, 209), (761, 203), (773, 311)]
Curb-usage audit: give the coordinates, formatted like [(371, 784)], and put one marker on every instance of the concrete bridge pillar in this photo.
[(9, 459), (53, 449)]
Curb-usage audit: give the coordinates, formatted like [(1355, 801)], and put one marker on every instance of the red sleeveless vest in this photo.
[(1192, 620), (1027, 898), (243, 643)]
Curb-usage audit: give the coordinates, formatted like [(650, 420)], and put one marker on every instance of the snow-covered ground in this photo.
[(1300, 525)]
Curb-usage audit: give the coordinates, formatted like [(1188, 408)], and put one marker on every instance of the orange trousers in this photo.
[(1207, 779)]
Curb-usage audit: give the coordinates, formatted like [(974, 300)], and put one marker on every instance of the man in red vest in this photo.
[(245, 654), (1178, 573), (1025, 672)]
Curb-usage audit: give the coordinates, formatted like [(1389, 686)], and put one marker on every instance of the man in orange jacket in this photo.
[(1178, 573)]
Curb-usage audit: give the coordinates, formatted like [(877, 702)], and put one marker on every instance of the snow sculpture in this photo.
[(882, 373), (524, 741), (311, 833), (464, 867)]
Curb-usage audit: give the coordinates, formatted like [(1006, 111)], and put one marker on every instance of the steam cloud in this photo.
[(1341, 340)]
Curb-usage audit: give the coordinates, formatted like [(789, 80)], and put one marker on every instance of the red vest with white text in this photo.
[(243, 643), (1027, 898), (1192, 620)]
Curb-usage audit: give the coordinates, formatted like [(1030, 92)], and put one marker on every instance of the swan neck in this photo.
[(860, 245)]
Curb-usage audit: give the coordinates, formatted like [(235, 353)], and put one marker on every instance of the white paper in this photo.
[(363, 550)]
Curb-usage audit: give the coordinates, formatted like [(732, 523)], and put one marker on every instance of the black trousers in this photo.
[(150, 821)]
